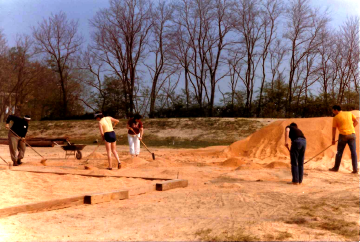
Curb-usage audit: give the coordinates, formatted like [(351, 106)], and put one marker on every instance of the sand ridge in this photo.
[(268, 142)]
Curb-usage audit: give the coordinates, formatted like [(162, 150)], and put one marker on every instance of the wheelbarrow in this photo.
[(74, 150)]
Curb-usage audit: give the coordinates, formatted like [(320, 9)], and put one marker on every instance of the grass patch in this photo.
[(154, 141), (339, 226), (214, 131), (238, 235), (314, 216), (297, 220)]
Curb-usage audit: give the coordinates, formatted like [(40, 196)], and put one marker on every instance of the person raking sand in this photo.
[(108, 134), (297, 152), (345, 122), (135, 134), (16, 137)]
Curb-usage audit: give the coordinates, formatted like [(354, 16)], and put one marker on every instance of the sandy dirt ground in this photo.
[(238, 192)]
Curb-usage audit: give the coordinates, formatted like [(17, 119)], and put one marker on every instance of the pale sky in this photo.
[(17, 16)]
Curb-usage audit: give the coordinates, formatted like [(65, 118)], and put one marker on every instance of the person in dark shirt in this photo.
[(297, 152), (16, 136)]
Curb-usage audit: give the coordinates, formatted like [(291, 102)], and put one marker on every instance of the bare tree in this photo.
[(181, 50), (18, 72), (88, 61), (58, 39), (163, 66), (4, 76), (348, 59), (277, 53), (216, 43), (24, 70), (120, 39), (304, 26), (203, 26), (246, 18), (325, 66), (192, 20), (270, 14), (235, 65)]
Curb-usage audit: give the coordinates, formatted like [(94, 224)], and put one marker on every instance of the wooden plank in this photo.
[(120, 195), (142, 189), (43, 206), (95, 198), (90, 175), (167, 185)]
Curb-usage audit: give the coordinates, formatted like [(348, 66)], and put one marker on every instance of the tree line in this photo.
[(265, 58)]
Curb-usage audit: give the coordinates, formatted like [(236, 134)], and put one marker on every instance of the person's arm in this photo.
[(141, 133), (115, 121), (9, 118), (355, 122), (101, 131), (287, 132), (333, 135)]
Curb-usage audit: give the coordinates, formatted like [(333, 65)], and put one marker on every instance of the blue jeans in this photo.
[(351, 141), (297, 155)]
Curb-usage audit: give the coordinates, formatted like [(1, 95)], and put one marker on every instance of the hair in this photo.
[(293, 125), (336, 107), (137, 116), (98, 114)]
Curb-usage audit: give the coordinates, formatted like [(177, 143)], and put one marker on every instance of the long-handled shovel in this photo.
[(6, 162), (153, 154), (320, 152), (42, 160)]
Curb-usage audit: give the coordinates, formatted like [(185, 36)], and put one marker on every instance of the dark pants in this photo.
[(351, 141), (15, 146), (297, 155)]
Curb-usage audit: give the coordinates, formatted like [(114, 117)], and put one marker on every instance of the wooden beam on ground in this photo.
[(142, 189), (95, 198), (92, 198), (167, 185), (42, 206)]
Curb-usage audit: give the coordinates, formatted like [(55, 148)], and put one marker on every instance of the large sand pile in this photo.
[(250, 166), (233, 162), (96, 155), (269, 141), (278, 164)]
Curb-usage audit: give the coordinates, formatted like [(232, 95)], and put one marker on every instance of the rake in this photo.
[(42, 160), (6, 162), (152, 154)]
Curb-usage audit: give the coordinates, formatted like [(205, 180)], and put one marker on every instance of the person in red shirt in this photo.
[(135, 134)]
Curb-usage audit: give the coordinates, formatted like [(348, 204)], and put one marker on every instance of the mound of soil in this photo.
[(250, 166), (233, 162), (278, 164), (96, 155), (269, 141)]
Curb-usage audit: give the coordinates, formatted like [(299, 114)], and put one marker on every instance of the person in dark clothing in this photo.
[(16, 145), (297, 152)]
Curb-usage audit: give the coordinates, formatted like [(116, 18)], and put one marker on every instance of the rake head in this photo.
[(43, 161)]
